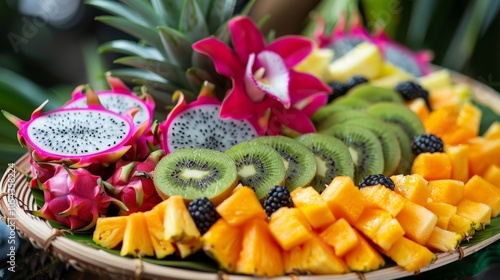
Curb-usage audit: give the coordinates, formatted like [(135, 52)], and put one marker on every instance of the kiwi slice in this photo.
[(195, 172), (332, 158), (388, 139), (398, 114), (407, 155), (325, 111), (300, 165), (341, 117), (352, 102), (364, 147), (258, 166), (374, 94)]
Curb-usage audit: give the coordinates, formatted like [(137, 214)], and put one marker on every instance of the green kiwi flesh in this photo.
[(352, 102), (195, 172), (374, 94), (398, 114), (258, 166), (341, 117), (388, 139), (364, 147), (299, 161), (407, 155), (325, 111), (331, 156)]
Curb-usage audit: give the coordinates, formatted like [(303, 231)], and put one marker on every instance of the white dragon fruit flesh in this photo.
[(78, 137), (133, 185), (198, 125), (74, 199)]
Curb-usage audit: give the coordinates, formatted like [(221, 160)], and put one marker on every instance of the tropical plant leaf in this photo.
[(130, 48), (220, 12), (192, 22), (167, 11), (488, 116), (177, 46), (165, 69), (120, 10), (144, 9), (139, 76), (204, 6), (139, 31)]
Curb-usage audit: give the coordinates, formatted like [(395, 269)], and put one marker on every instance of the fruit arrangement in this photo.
[(341, 154)]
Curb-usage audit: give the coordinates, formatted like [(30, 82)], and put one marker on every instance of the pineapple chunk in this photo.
[(185, 249), (479, 213), (444, 211), (289, 227), (462, 225), (136, 240), (417, 222), (492, 175), (493, 131), (410, 255), (444, 240), (419, 107), (414, 187), (365, 60), (435, 80), (479, 190), (178, 223), (447, 191), (225, 251), (384, 198), (109, 231), (341, 236), (154, 220), (380, 227), (432, 166), (482, 154), (240, 207), (344, 199), (459, 158), (260, 254), (312, 205), (363, 257)]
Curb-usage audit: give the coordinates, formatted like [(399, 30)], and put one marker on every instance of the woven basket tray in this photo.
[(85, 258)]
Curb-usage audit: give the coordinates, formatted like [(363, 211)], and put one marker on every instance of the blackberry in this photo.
[(354, 81), (373, 180), (427, 143), (277, 197), (203, 212), (410, 90), (339, 89)]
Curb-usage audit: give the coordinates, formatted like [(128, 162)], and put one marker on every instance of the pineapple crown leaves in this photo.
[(162, 59)]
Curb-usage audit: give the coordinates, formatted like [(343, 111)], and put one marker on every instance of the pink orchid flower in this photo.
[(264, 84)]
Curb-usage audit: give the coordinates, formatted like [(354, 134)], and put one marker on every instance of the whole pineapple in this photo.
[(162, 57)]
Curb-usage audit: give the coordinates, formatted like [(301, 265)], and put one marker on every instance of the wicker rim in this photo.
[(16, 201)]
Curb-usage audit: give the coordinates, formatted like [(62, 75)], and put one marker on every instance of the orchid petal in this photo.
[(291, 118), (312, 103), (225, 61), (253, 91), (246, 37), (303, 85), (237, 105), (292, 49)]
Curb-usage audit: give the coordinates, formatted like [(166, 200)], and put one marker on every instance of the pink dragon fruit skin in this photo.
[(74, 199), (133, 185), (41, 172), (208, 99), (105, 156)]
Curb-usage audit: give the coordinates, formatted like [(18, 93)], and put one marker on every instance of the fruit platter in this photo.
[(307, 158)]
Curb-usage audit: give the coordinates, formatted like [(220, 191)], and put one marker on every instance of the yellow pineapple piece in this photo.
[(479, 213), (241, 206), (462, 225), (432, 166), (225, 251), (341, 236), (455, 94), (344, 199), (365, 60), (436, 80), (447, 191), (109, 231), (493, 131), (443, 210), (492, 175), (154, 220), (136, 240), (363, 257), (178, 223), (410, 255), (316, 63), (414, 187), (459, 158), (380, 227), (312, 205), (444, 240), (419, 107), (417, 222), (390, 75), (384, 198), (185, 249), (482, 154), (479, 190), (289, 227)]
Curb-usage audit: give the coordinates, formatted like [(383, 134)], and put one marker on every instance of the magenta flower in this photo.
[(264, 84)]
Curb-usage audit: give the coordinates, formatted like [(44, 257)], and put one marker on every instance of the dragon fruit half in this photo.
[(133, 185), (78, 137), (198, 125), (120, 99), (74, 199)]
